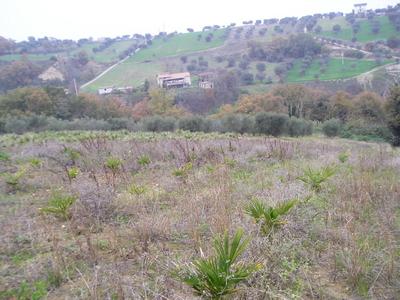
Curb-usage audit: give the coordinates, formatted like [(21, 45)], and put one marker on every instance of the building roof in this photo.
[(173, 76), (107, 87), (206, 73), (361, 4)]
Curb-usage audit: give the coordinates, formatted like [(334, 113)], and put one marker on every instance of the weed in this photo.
[(34, 291), (268, 217), (4, 157), (73, 173), (144, 160), (35, 162), (211, 168), (343, 157), (59, 205), (230, 162), (218, 275)]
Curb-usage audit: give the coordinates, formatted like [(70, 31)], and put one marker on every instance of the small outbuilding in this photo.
[(205, 80), (106, 89)]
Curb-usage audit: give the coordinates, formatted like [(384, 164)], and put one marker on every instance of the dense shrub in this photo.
[(117, 123), (299, 127), (354, 54), (192, 123), (16, 125), (237, 123), (332, 127), (271, 123), (158, 124), (361, 129), (87, 124)]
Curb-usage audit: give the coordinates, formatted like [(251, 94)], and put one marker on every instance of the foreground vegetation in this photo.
[(115, 215)]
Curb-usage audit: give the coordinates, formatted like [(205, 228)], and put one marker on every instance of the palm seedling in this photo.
[(343, 157), (73, 173), (59, 205), (184, 171), (13, 179), (218, 275), (113, 162), (136, 189), (268, 217), (315, 178)]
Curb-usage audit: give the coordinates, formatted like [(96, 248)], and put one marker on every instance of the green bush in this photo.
[(299, 127), (362, 129), (158, 124), (237, 123), (194, 123), (16, 125), (332, 127), (117, 123), (271, 123)]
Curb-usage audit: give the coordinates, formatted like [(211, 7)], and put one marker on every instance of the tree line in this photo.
[(366, 114)]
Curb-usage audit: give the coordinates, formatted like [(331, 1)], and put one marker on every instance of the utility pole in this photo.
[(76, 89)]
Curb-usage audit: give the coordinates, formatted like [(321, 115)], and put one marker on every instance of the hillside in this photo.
[(165, 57), (138, 58)]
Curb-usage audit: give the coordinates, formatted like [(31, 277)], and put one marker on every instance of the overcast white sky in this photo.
[(75, 19)]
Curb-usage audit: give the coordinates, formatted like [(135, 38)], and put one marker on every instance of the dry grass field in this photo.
[(108, 215)]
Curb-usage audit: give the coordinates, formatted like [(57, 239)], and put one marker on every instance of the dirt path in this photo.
[(93, 80)]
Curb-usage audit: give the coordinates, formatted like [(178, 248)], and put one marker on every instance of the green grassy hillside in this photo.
[(179, 44), (333, 69), (110, 54), (364, 35)]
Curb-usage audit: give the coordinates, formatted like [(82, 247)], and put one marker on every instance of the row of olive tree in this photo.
[(266, 123)]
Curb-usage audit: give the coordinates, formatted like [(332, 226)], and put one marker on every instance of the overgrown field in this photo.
[(109, 215)]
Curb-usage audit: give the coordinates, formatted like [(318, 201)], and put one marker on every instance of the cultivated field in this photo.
[(179, 44), (365, 34), (108, 215), (334, 69), (110, 54)]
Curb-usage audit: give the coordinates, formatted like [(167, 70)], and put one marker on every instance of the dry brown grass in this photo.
[(339, 243)]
